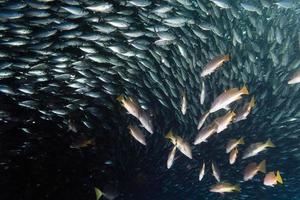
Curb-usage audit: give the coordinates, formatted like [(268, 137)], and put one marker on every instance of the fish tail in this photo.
[(241, 140), (252, 102), (226, 58), (244, 90), (170, 136), (92, 142), (237, 188), (120, 98), (278, 178), (269, 143), (232, 113), (99, 193), (262, 166)]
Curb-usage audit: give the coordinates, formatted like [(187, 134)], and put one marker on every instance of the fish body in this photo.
[(227, 97), (252, 169), (202, 172), (233, 143), (245, 111), (216, 171), (295, 78), (146, 121), (256, 148), (202, 120), (180, 143), (224, 121), (202, 94), (272, 179), (134, 109), (214, 64), (233, 156), (171, 157), (221, 3), (82, 143), (137, 134), (224, 188), (183, 103), (130, 105), (102, 7), (205, 133)]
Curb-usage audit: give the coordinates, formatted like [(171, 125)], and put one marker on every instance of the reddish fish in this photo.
[(271, 179), (214, 64), (252, 169), (227, 97)]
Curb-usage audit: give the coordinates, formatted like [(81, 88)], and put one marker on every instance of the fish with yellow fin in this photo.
[(130, 105), (252, 169), (233, 143), (223, 121), (224, 188), (214, 64), (245, 111), (272, 179), (205, 133), (256, 148), (134, 109), (180, 143), (227, 97)]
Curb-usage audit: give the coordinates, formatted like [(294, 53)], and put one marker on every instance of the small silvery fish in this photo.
[(171, 157), (183, 103), (216, 171), (202, 120), (202, 172)]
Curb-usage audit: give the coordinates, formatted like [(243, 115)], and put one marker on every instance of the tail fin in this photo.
[(269, 143), (241, 140), (99, 193), (252, 102), (278, 178), (232, 113), (170, 136), (120, 98), (244, 90), (237, 188), (262, 166), (226, 58)]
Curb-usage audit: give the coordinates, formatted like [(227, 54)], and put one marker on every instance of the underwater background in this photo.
[(64, 63)]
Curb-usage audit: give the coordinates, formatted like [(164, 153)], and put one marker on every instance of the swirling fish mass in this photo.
[(150, 99)]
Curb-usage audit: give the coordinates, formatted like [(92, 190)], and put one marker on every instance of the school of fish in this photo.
[(181, 88)]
